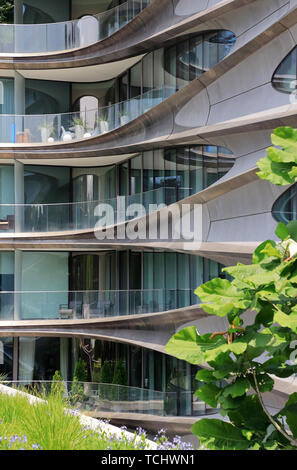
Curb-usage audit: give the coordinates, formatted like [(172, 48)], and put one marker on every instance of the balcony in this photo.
[(65, 36), (88, 305), (49, 129), (77, 216)]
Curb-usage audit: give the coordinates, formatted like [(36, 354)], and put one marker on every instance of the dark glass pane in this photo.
[(285, 208), (6, 357), (284, 78)]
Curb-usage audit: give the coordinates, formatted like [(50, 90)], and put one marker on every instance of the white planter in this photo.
[(67, 137), (45, 133), (79, 132), (103, 127), (124, 120)]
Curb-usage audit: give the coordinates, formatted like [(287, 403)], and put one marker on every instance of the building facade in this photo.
[(114, 115)]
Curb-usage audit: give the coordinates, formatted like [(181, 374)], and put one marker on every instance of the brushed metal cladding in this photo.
[(236, 87)]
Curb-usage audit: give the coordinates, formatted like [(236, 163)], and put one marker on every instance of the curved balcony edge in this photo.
[(27, 41), (216, 190), (166, 319), (137, 36)]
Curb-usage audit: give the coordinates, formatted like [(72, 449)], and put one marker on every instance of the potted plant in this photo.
[(79, 127), (46, 129)]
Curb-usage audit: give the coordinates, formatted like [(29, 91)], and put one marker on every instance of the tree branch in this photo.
[(293, 442)]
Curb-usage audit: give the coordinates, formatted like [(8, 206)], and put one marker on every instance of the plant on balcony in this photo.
[(249, 356), (79, 126)]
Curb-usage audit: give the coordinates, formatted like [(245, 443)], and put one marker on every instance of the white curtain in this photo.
[(26, 359)]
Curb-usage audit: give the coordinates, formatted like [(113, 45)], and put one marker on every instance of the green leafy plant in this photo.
[(6, 11), (267, 290), (280, 164), (106, 375), (80, 371), (120, 374), (57, 385), (79, 122), (106, 391), (243, 362), (48, 425), (80, 375), (120, 378)]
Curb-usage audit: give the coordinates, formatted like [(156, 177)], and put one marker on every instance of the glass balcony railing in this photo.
[(55, 37), (96, 398), (86, 305), (56, 128), (32, 218)]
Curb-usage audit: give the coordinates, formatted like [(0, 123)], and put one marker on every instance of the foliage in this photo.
[(106, 392), (80, 371), (280, 165), (57, 385), (120, 375), (247, 359), (80, 375), (6, 11), (49, 425), (106, 375), (77, 391)]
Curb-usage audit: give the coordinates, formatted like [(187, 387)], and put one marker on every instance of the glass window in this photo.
[(6, 95), (136, 175), (39, 358), (136, 80), (285, 76), (148, 72), (6, 357), (285, 208)]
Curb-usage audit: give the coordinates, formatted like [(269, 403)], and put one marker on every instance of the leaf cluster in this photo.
[(280, 164), (241, 364)]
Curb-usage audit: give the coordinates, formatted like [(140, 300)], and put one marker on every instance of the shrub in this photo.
[(57, 386)]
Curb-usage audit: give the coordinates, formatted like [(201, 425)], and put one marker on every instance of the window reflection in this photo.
[(284, 78), (285, 208)]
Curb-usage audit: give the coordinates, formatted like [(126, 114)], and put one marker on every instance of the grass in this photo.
[(50, 426)]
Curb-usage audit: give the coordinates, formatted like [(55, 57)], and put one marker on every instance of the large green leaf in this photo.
[(285, 137), (191, 347), (264, 250), (219, 435), (286, 321), (254, 275), (282, 231), (205, 375), (224, 297), (238, 388), (276, 173), (188, 345), (249, 415), (209, 393)]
